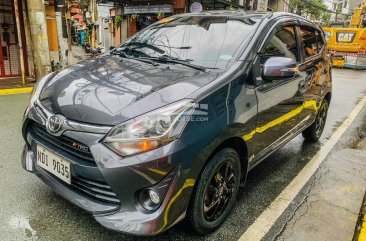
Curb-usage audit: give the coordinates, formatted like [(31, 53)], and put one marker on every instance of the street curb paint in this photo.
[(362, 236), (270, 215), (15, 91)]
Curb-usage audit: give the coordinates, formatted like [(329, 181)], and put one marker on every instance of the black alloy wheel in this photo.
[(219, 191), (215, 193), (314, 132)]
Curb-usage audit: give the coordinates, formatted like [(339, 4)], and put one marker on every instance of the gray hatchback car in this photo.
[(167, 125)]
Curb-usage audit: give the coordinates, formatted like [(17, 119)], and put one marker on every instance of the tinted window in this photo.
[(281, 44), (319, 41), (208, 41), (309, 41)]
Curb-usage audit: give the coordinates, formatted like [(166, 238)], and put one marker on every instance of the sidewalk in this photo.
[(331, 207), (78, 54), (14, 85)]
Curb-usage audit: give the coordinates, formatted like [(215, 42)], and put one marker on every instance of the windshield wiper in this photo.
[(143, 45), (124, 55), (168, 59)]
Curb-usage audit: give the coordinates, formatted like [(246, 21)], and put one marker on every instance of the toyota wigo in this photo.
[(166, 126)]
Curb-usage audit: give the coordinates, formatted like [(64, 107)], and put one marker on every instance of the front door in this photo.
[(280, 102)]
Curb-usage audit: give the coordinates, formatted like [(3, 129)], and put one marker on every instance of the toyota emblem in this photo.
[(54, 124)]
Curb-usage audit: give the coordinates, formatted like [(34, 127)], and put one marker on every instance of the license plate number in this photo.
[(54, 164)]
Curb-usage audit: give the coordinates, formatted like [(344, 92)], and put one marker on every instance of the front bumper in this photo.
[(124, 176)]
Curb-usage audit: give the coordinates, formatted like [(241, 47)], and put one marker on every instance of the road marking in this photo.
[(268, 217), (362, 236), (15, 91)]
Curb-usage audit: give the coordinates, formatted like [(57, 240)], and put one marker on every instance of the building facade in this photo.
[(10, 54), (128, 17), (344, 9), (37, 35)]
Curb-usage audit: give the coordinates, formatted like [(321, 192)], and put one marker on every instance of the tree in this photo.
[(313, 9), (326, 18)]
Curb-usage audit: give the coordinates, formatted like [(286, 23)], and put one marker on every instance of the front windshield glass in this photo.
[(207, 41)]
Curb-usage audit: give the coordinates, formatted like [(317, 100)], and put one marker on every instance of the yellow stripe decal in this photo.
[(157, 171), (187, 183), (310, 104)]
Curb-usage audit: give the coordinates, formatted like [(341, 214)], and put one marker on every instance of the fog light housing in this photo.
[(152, 197)]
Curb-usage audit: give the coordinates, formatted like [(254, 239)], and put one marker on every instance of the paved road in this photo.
[(31, 211)]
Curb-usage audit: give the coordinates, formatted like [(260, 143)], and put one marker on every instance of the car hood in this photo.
[(109, 90)]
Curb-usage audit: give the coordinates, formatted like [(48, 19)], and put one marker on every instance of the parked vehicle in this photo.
[(348, 44), (87, 47), (96, 52), (168, 124)]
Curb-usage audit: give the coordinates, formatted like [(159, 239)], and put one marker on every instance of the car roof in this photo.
[(227, 13), (244, 13)]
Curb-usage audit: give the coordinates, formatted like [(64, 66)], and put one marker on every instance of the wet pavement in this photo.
[(29, 210)]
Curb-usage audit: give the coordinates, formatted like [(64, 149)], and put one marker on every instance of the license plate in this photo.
[(55, 164)]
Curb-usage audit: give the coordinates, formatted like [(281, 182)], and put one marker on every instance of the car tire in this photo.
[(218, 183), (313, 132)]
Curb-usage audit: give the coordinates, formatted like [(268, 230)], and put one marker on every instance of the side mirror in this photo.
[(276, 68)]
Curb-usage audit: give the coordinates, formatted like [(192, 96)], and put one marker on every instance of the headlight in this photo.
[(37, 89), (151, 130)]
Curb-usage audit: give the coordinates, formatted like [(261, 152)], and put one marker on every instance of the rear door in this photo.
[(280, 102), (315, 66)]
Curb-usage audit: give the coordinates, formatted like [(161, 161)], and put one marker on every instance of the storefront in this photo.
[(139, 17), (128, 17), (9, 55), (208, 5)]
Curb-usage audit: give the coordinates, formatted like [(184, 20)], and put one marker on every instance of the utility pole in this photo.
[(68, 25), (17, 18)]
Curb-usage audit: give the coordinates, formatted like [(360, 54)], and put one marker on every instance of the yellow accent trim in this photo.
[(362, 236), (160, 172), (187, 183), (310, 104), (166, 20), (16, 91)]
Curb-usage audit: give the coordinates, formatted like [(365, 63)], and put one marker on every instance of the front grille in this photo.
[(95, 190), (62, 142)]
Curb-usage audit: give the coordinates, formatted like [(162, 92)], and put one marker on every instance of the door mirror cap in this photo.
[(276, 68)]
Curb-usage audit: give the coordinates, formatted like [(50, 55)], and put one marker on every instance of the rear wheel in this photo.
[(313, 132), (216, 192)]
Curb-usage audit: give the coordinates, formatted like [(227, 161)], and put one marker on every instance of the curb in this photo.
[(16, 91), (362, 236)]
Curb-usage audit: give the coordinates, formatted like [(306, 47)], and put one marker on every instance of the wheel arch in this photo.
[(240, 146), (328, 97)]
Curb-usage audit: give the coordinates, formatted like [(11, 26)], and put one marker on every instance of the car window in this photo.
[(281, 44), (309, 41), (208, 41), (319, 41)]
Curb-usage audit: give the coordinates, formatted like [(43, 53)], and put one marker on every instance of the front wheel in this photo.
[(313, 132), (216, 192)]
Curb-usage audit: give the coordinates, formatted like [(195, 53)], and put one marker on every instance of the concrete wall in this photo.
[(62, 42)]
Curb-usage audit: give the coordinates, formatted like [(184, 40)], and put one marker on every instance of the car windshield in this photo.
[(212, 42)]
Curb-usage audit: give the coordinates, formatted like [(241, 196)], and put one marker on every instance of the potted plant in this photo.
[(118, 21)]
